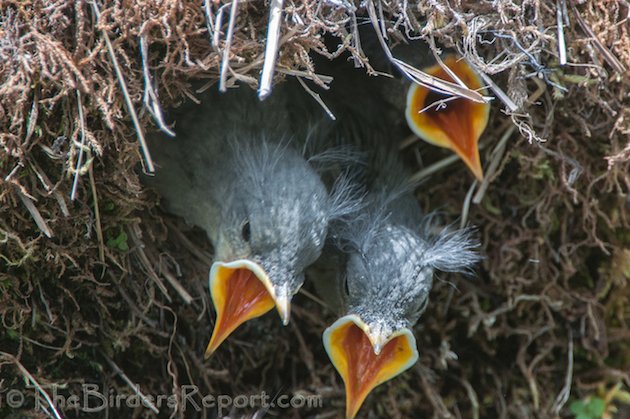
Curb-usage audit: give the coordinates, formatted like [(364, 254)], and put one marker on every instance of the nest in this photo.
[(98, 286)]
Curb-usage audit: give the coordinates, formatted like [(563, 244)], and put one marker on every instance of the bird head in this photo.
[(389, 275), (273, 225), (454, 123)]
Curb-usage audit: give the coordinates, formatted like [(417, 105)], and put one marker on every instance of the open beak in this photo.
[(456, 124), (241, 291), (365, 358)]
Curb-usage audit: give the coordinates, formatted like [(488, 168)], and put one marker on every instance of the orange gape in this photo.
[(361, 369), (458, 123), (240, 296)]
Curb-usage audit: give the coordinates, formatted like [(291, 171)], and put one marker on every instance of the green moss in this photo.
[(119, 241), (589, 408)]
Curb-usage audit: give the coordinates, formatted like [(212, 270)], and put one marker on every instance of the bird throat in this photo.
[(454, 123), (239, 295), (362, 370), (454, 118)]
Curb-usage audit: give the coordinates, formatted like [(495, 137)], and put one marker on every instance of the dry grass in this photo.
[(105, 289)]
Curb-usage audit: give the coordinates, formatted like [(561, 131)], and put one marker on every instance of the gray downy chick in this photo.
[(237, 168), (392, 254)]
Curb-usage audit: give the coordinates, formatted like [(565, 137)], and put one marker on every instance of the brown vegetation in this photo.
[(98, 286)]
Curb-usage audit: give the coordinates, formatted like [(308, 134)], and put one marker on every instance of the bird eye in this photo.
[(246, 232)]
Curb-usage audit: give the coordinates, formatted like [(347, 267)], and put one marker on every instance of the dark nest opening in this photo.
[(98, 286)]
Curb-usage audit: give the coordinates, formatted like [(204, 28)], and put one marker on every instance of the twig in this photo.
[(312, 297), (564, 394), (37, 216), (408, 141), (497, 155), (317, 78), (539, 69), (50, 188), (33, 381), (318, 99), (32, 117), (444, 67), (466, 206), (608, 56), (434, 168), (438, 104), (144, 261), (178, 287), (437, 166), (13, 171), (271, 49), (216, 34), (512, 107), (77, 171), (151, 100), (420, 77), (145, 400), (562, 46), (225, 61), (150, 168), (472, 396), (356, 39), (201, 255), (97, 216), (209, 23)]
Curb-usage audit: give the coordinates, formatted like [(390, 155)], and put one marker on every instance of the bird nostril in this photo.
[(246, 232)]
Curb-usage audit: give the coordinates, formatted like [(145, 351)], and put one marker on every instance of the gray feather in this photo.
[(239, 169), (393, 249)]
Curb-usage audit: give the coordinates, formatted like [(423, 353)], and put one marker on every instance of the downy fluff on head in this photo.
[(393, 252), (279, 208)]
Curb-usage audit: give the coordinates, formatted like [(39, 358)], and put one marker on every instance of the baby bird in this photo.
[(453, 123), (233, 171), (392, 254)]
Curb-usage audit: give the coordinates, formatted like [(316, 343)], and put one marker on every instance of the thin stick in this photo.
[(513, 107), (434, 168), (562, 46), (178, 287), (271, 49), (498, 152), (564, 394), (209, 23), (418, 76), (37, 216), (225, 61), (408, 141), (437, 166), (466, 206), (318, 99), (97, 216), (150, 168), (610, 58), (145, 400), (151, 100), (438, 104), (77, 171), (444, 67), (29, 377), (313, 298), (313, 77), (216, 35)]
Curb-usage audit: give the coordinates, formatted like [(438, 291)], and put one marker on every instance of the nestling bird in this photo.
[(454, 123), (238, 169), (393, 252)]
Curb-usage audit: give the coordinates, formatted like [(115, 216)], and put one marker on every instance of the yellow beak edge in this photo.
[(351, 349), (458, 123)]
